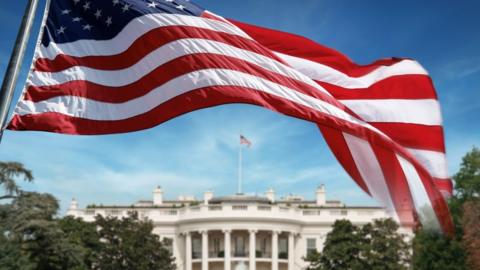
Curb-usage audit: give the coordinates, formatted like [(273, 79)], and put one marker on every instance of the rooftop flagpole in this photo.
[(239, 190), (13, 69)]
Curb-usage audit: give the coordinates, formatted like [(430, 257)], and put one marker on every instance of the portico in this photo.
[(226, 248)]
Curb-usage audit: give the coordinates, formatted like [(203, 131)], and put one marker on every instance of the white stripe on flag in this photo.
[(419, 195), (416, 111), (370, 170), (434, 162), (330, 75)]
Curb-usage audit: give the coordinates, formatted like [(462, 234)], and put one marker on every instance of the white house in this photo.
[(241, 231)]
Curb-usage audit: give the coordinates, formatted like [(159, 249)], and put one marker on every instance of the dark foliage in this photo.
[(375, 245)]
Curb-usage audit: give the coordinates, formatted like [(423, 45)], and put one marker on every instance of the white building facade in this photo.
[(240, 231)]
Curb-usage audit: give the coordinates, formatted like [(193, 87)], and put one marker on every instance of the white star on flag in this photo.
[(152, 5), (108, 21), (61, 30), (86, 6), (87, 27), (98, 14)]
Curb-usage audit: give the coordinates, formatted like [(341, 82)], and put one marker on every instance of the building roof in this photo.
[(239, 198)]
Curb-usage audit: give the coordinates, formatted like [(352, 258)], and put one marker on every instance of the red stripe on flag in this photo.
[(396, 183), (299, 46), (414, 135), (411, 86), (444, 185), (336, 141)]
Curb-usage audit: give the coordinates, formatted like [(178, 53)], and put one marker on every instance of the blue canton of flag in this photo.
[(71, 20)]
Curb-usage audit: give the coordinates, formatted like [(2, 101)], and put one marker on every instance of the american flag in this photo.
[(103, 67), (244, 140)]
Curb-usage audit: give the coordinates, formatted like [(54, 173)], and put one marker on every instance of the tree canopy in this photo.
[(33, 237), (467, 179), (376, 245), (128, 243), (9, 173)]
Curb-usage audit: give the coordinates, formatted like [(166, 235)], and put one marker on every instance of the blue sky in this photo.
[(198, 151)]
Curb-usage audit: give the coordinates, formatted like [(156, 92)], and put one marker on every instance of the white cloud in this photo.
[(459, 69)]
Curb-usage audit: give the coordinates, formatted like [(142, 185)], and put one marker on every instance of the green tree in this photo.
[(9, 173), (467, 179), (383, 247), (83, 234), (341, 249), (32, 238), (432, 250), (376, 245), (129, 243)]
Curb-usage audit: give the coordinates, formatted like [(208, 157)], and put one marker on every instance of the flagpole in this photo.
[(239, 190), (13, 69)]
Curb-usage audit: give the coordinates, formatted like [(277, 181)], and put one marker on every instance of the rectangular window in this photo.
[(311, 245), (282, 245), (216, 245), (283, 248), (196, 248), (263, 245), (239, 247)]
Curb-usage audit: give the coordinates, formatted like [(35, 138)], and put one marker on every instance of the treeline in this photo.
[(376, 245), (32, 237), (380, 246)]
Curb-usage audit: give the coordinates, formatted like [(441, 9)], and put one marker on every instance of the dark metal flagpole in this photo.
[(13, 69)]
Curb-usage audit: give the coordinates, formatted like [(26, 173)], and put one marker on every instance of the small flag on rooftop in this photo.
[(244, 140)]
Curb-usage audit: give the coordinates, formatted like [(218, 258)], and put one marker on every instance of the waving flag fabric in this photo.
[(394, 95), (105, 67)]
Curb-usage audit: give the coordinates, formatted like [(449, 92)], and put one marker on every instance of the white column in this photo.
[(291, 250), (275, 250), (252, 250), (226, 250), (204, 250), (188, 251)]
